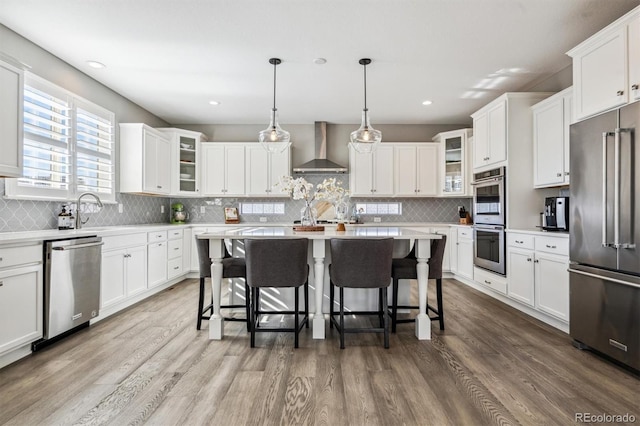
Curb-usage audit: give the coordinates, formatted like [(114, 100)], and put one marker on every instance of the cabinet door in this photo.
[(465, 258), (453, 163), (11, 125), (187, 236), (20, 306), (552, 284), (446, 259), (361, 174), (497, 143), (480, 142), (213, 171), (548, 144), (163, 165), (634, 58), (150, 168), (235, 170), (599, 75), (427, 178), (157, 264), (521, 276), (136, 270), (280, 166), (406, 171), (257, 171), (383, 171), (452, 242), (112, 281), (567, 104)]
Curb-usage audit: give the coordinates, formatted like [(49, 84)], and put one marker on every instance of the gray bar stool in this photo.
[(360, 263), (405, 269), (277, 263), (232, 267)]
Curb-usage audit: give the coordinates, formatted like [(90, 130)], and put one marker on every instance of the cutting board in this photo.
[(325, 210)]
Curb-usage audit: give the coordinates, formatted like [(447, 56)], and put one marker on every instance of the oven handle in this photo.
[(494, 179)]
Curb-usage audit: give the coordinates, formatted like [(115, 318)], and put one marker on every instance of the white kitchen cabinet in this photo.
[(551, 125), (157, 256), (21, 296), (371, 173), (461, 250), (174, 253), (187, 237), (455, 167), (223, 169), (446, 259), (495, 282), (605, 67), (415, 169), (124, 268), (490, 134), (264, 169), (537, 272), (11, 119), (185, 160), (145, 160)]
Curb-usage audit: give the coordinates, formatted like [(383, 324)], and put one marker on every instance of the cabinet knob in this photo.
[(634, 86), (0, 259), (519, 242), (176, 267), (487, 282), (558, 174), (536, 261), (566, 173), (159, 186), (1, 283), (620, 92), (551, 247)]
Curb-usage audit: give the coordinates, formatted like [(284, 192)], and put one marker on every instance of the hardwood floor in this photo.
[(149, 365)]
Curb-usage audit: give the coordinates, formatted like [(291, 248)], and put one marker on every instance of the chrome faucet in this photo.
[(79, 221)]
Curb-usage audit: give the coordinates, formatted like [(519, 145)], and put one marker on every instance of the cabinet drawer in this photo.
[(13, 256), (490, 280), (120, 241), (175, 234), (553, 245), (465, 233), (175, 249), (520, 240), (155, 236), (174, 268)]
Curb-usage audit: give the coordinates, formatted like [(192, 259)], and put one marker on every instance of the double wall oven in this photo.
[(489, 208)]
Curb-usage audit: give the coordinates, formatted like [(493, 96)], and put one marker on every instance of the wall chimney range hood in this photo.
[(320, 164)]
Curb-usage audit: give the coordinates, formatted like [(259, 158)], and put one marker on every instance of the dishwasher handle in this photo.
[(77, 246)]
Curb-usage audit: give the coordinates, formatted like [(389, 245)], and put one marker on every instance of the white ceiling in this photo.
[(173, 56)]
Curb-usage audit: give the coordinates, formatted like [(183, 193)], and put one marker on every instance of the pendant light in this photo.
[(366, 138), (273, 138)]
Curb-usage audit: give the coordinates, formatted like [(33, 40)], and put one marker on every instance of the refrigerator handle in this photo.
[(617, 243), (605, 136)]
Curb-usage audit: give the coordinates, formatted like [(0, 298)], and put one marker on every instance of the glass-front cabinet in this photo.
[(455, 176), (185, 160)]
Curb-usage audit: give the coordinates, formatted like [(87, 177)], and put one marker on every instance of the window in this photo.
[(68, 146)]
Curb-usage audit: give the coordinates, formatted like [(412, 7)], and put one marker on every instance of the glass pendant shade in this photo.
[(366, 138), (273, 138)]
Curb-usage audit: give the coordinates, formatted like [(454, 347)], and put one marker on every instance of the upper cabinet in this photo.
[(145, 160), (11, 119), (185, 160), (416, 169), (551, 121), (455, 167), (490, 134), (371, 173), (223, 172), (264, 169), (606, 67)]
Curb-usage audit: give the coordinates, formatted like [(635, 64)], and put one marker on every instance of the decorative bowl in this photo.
[(185, 175)]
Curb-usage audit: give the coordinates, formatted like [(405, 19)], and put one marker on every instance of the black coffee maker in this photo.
[(556, 214)]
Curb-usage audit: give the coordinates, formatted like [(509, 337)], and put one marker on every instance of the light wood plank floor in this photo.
[(149, 365)]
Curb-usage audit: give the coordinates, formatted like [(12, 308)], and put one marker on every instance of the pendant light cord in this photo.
[(275, 64), (365, 86)]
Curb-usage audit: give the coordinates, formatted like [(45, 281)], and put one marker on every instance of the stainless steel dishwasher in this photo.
[(71, 286)]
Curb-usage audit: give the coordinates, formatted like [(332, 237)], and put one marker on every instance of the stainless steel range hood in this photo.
[(320, 164)]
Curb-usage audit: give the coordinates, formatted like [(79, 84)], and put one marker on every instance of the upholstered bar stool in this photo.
[(405, 269), (277, 263), (360, 263), (232, 267)]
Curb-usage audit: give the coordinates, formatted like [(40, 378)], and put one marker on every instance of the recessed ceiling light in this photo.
[(96, 64), (319, 61), (427, 102), (214, 102)]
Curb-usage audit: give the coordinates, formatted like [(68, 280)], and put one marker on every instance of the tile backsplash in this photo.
[(18, 215)]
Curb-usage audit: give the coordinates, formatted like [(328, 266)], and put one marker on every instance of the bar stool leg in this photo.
[(331, 296), (394, 305), (296, 307), (385, 319), (439, 297), (247, 295), (253, 316), (306, 302), (200, 304), (341, 317)]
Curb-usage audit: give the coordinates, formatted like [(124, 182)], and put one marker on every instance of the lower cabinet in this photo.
[(124, 274), (495, 282), (461, 251), (537, 270), (174, 253), (157, 258)]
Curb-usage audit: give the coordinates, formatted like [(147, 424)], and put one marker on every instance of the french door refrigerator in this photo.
[(605, 235)]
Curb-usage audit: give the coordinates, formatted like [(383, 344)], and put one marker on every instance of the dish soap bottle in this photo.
[(64, 219)]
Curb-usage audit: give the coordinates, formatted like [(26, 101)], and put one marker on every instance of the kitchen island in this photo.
[(319, 250)]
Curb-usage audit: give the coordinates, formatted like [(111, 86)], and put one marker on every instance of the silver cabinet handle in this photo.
[(176, 267), (519, 242), (558, 174), (0, 259), (536, 261), (487, 282), (634, 87), (159, 187), (552, 247), (616, 188), (566, 173), (528, 259), (620, 92), (1, 283)]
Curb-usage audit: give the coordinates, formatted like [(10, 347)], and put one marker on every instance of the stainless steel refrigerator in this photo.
[(605, 234)]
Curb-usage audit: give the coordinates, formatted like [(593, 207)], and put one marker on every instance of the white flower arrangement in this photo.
[(330, 189)]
